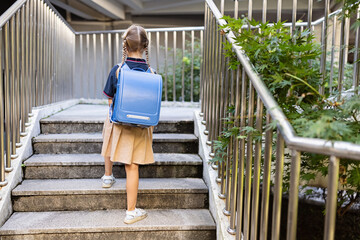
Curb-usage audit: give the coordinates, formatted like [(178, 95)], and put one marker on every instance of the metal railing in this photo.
[(36, 44), (97, 52), (240, 190), (43, 60)]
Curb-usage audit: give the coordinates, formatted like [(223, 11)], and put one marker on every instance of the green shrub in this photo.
[(183, 61)]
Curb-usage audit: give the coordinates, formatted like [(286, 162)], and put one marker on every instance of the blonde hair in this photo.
[(135, 39)]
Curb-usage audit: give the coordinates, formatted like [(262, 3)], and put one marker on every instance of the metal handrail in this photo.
[(38, 48), (173, 29), (321, 146), (5, 17), (13, 9)]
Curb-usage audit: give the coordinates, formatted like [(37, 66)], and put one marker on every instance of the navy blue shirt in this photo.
[(110, 86)]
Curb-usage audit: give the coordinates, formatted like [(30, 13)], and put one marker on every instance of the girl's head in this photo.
[(135, 40)]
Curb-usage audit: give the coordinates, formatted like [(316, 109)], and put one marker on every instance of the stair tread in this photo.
[(106, 221), (101, 121), (97, 159), (93, 112), (94, 186), (97, 137)]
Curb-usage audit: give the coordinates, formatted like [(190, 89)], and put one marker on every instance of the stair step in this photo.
[(167, 165), (92, 143), (88, 194), (108, 224), (57, 126)]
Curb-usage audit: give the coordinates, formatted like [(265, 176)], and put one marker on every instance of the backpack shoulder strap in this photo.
[(124, 66), (150, 70)]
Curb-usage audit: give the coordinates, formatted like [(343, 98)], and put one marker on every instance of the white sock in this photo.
[(132, 213)]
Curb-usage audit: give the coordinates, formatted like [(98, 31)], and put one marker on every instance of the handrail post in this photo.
[(330, 215)]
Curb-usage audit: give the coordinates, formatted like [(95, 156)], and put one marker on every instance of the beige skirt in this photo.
[(127, 144)]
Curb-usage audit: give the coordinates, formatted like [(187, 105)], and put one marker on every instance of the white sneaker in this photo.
[(107, 181), (135, 215)]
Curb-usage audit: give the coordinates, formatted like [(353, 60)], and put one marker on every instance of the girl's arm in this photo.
[(110, 101)]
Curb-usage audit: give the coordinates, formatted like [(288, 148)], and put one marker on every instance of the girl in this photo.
[(129, 145)]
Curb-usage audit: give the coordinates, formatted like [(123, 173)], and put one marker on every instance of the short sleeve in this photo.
[(110, 86)]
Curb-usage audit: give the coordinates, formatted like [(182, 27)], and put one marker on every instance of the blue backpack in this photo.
[(138, 97)]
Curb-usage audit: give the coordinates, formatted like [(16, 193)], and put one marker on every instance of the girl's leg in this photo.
[(132, 185), (108, 166)]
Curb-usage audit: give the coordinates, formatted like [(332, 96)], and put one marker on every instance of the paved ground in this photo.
[(98, 112)]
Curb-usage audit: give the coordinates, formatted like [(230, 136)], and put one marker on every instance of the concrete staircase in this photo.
[(61, 195)]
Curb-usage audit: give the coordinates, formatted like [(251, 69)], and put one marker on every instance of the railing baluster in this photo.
[(174, 64), (278, 187), (250, 9), (117, 39), (209, 120), (45, 49), (249, 163), (324, 46), (235, 92), (42, 54), (220, 102), (356, 56), (110, 52), (332, 54), (206, 66), (202, 65), (13, 92), (233, 151), (17, 80), (240, 183), (38, 78), (57, 63), (264, 11), (341, 57), (293, 195), (217, 121), (331, 201), (95, 69), (192, 68), (293, 18), (49, 41), (228, 186), (221, 114), (222, 7), (88, 60), (266, 181), (8, 167), (183, 68), (215, 111), (51, 70), (23, 89), (225, 167), (149, 47), (166, 66), (102, 73), (3, 181), (236, 9), (310, 8), (157, 50), (257, 163), (346, 39), (278, 10), (209, 75)]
